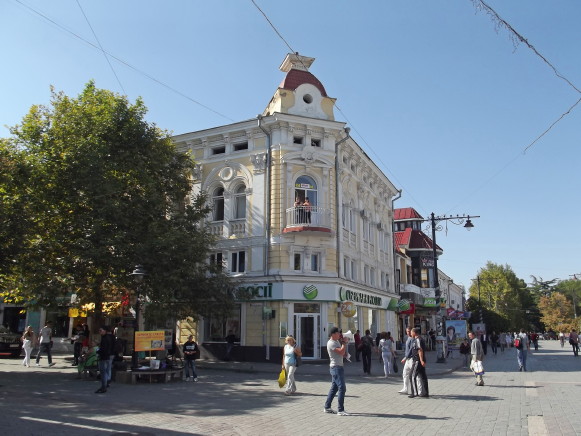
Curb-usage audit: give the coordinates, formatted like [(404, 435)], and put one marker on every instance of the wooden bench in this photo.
[(164, 375)]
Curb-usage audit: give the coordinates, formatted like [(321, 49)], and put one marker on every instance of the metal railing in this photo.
[(309, 216)]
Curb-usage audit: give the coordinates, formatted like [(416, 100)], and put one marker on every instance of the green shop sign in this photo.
[(359, 297), (258, 291), (429, 302)]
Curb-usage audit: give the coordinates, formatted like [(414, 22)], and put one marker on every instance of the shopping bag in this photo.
[(477, 367), (282, 378)]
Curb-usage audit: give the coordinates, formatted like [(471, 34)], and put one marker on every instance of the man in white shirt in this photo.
[(45, 343), (336, 350)]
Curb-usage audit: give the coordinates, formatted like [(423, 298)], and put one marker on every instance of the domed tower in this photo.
[(300, 92)]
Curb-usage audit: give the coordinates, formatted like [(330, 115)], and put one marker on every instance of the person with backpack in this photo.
[(366, 348), (521, 343)]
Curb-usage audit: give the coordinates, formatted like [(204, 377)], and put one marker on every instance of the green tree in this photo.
[(503, 298), (98, 190)]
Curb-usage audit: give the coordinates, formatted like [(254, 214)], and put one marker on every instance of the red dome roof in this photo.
[(295, 78)]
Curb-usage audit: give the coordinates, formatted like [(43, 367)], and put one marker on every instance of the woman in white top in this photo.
[(289, 363), (386, 346), (27, 341)]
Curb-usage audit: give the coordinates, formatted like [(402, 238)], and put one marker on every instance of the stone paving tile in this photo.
[(42, 401)]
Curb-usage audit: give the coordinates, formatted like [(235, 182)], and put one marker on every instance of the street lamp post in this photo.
[(434, 223), (138, 274)]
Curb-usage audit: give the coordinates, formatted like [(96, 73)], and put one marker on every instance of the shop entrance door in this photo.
[(307, 329)]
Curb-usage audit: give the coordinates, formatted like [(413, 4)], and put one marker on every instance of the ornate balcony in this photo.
[(310, 219)]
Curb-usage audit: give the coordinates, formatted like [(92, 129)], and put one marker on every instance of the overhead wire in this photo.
[(101, 47), (335, 104), (137, 70)]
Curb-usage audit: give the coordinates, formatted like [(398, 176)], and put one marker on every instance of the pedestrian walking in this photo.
[(502, 341), (407, 362), (230, 340), (535, 340), (357, 338), (336, 351), (45, 343), (574, 341), (562, 339), (419, 366), (27, 341), (366, 349), (106, 353), (521, 343), (191, 351), (477, 353), (289, 363), (484, 341), (386, 347), (508, 339), (494, 342), (465, 351)]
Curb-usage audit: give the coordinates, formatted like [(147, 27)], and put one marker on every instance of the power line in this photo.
[(517, 37), (143, 73), (335, 104), (101, 47)]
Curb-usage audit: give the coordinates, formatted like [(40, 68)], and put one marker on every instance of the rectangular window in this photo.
[(238, 264), (315, 142), (346, 268), (298, 262), (219, 150), (241, 146), (298, 140), (315, 262), (216, 259), (372, 276), (353, 270), (365, 274), (216, 330)]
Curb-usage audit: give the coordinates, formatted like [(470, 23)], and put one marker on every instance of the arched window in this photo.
[(305, 187), (240, 202), (218, 203)]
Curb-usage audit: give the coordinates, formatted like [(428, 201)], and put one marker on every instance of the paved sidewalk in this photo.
[(352, 368), (542, 401)]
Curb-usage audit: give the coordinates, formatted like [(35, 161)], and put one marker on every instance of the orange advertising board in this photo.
[(149, 341)]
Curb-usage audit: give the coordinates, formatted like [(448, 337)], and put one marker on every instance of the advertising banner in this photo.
[(149, 341), (456, 331)]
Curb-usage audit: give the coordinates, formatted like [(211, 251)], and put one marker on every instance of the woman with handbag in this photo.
[(386, 346), (290, 353)]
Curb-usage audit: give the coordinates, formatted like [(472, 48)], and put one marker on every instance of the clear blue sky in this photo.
[(437, 95)]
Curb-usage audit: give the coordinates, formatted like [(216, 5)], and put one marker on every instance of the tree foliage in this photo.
[(88, 190), (557, 313), (504, 300)]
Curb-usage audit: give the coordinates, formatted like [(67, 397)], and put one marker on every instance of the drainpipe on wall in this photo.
[(337, 208), (267, 223), (393, 200)]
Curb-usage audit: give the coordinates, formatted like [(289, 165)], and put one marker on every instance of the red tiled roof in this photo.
[(414, 240), (295, 78), (406, 213), (402, 238)]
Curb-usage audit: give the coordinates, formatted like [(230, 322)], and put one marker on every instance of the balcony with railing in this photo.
[(309, 218)]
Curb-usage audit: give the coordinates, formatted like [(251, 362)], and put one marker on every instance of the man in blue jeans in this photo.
[(106, 350), (336, 350)]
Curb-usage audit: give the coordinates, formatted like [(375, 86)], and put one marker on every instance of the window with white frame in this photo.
[(297, 261), (218, 204), (240, 202), (366, 274), (217, 259), (353, 270), (238, 262), (346, 267), (316, 262), (372, 276)]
